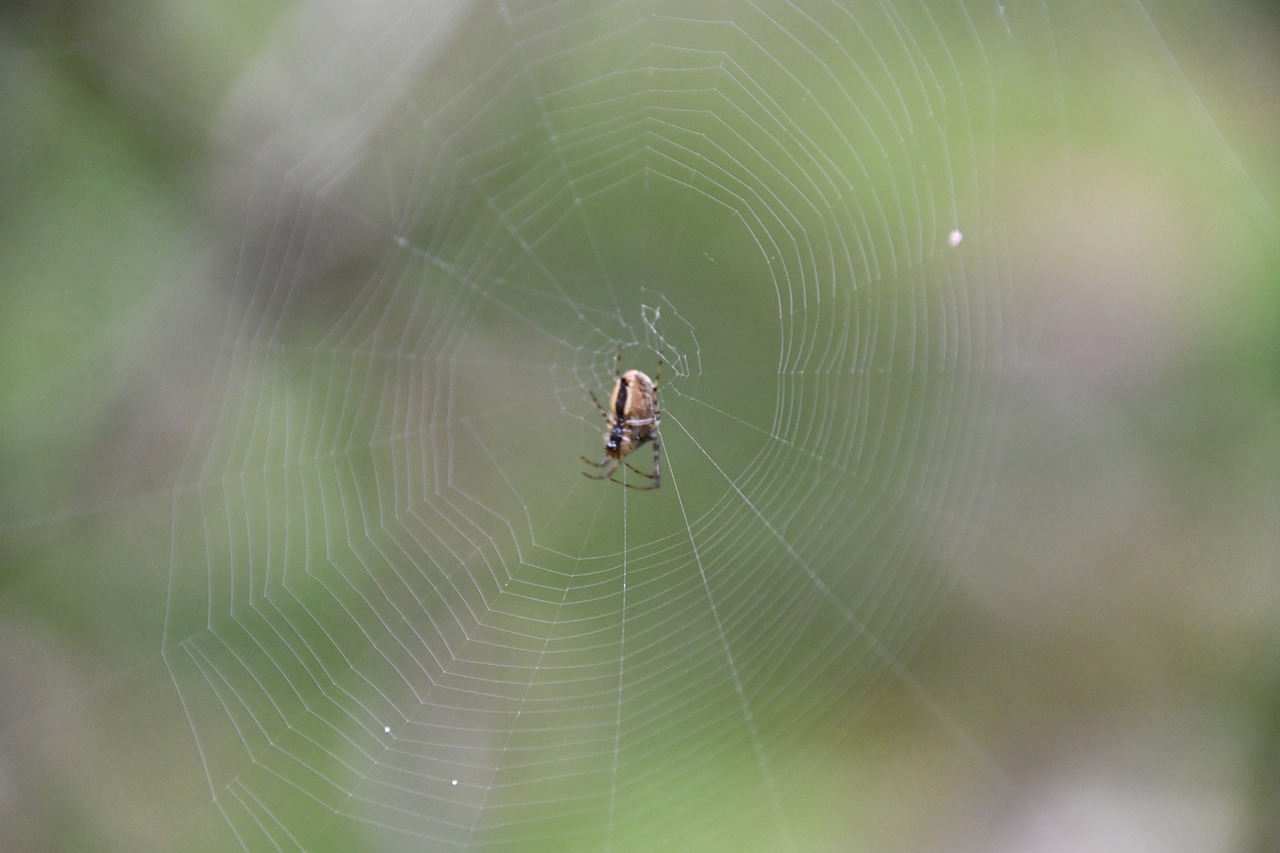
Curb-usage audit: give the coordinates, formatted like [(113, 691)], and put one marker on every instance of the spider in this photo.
[(633, 417)]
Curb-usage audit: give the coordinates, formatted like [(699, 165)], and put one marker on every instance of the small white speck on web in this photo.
[(955, 238), (454, 783), (386, 729)]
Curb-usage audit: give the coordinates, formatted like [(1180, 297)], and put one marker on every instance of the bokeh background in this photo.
[(1098, 668)]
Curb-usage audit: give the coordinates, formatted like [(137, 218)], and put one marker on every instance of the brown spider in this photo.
[(633, 417)]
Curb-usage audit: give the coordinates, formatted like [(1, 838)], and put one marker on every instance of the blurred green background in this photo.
[(1109, 656)]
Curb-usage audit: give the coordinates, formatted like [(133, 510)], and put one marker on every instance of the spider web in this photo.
[(398, 615), (333, 578)]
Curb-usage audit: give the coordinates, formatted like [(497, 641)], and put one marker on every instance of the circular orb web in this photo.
[(399, 614)]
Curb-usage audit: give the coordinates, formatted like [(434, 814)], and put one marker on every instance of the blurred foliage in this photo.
[(1125, 597)]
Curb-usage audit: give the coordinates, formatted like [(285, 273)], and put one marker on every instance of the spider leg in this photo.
[(610, 464), (603, 411), (656, 476), (637, 488)]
